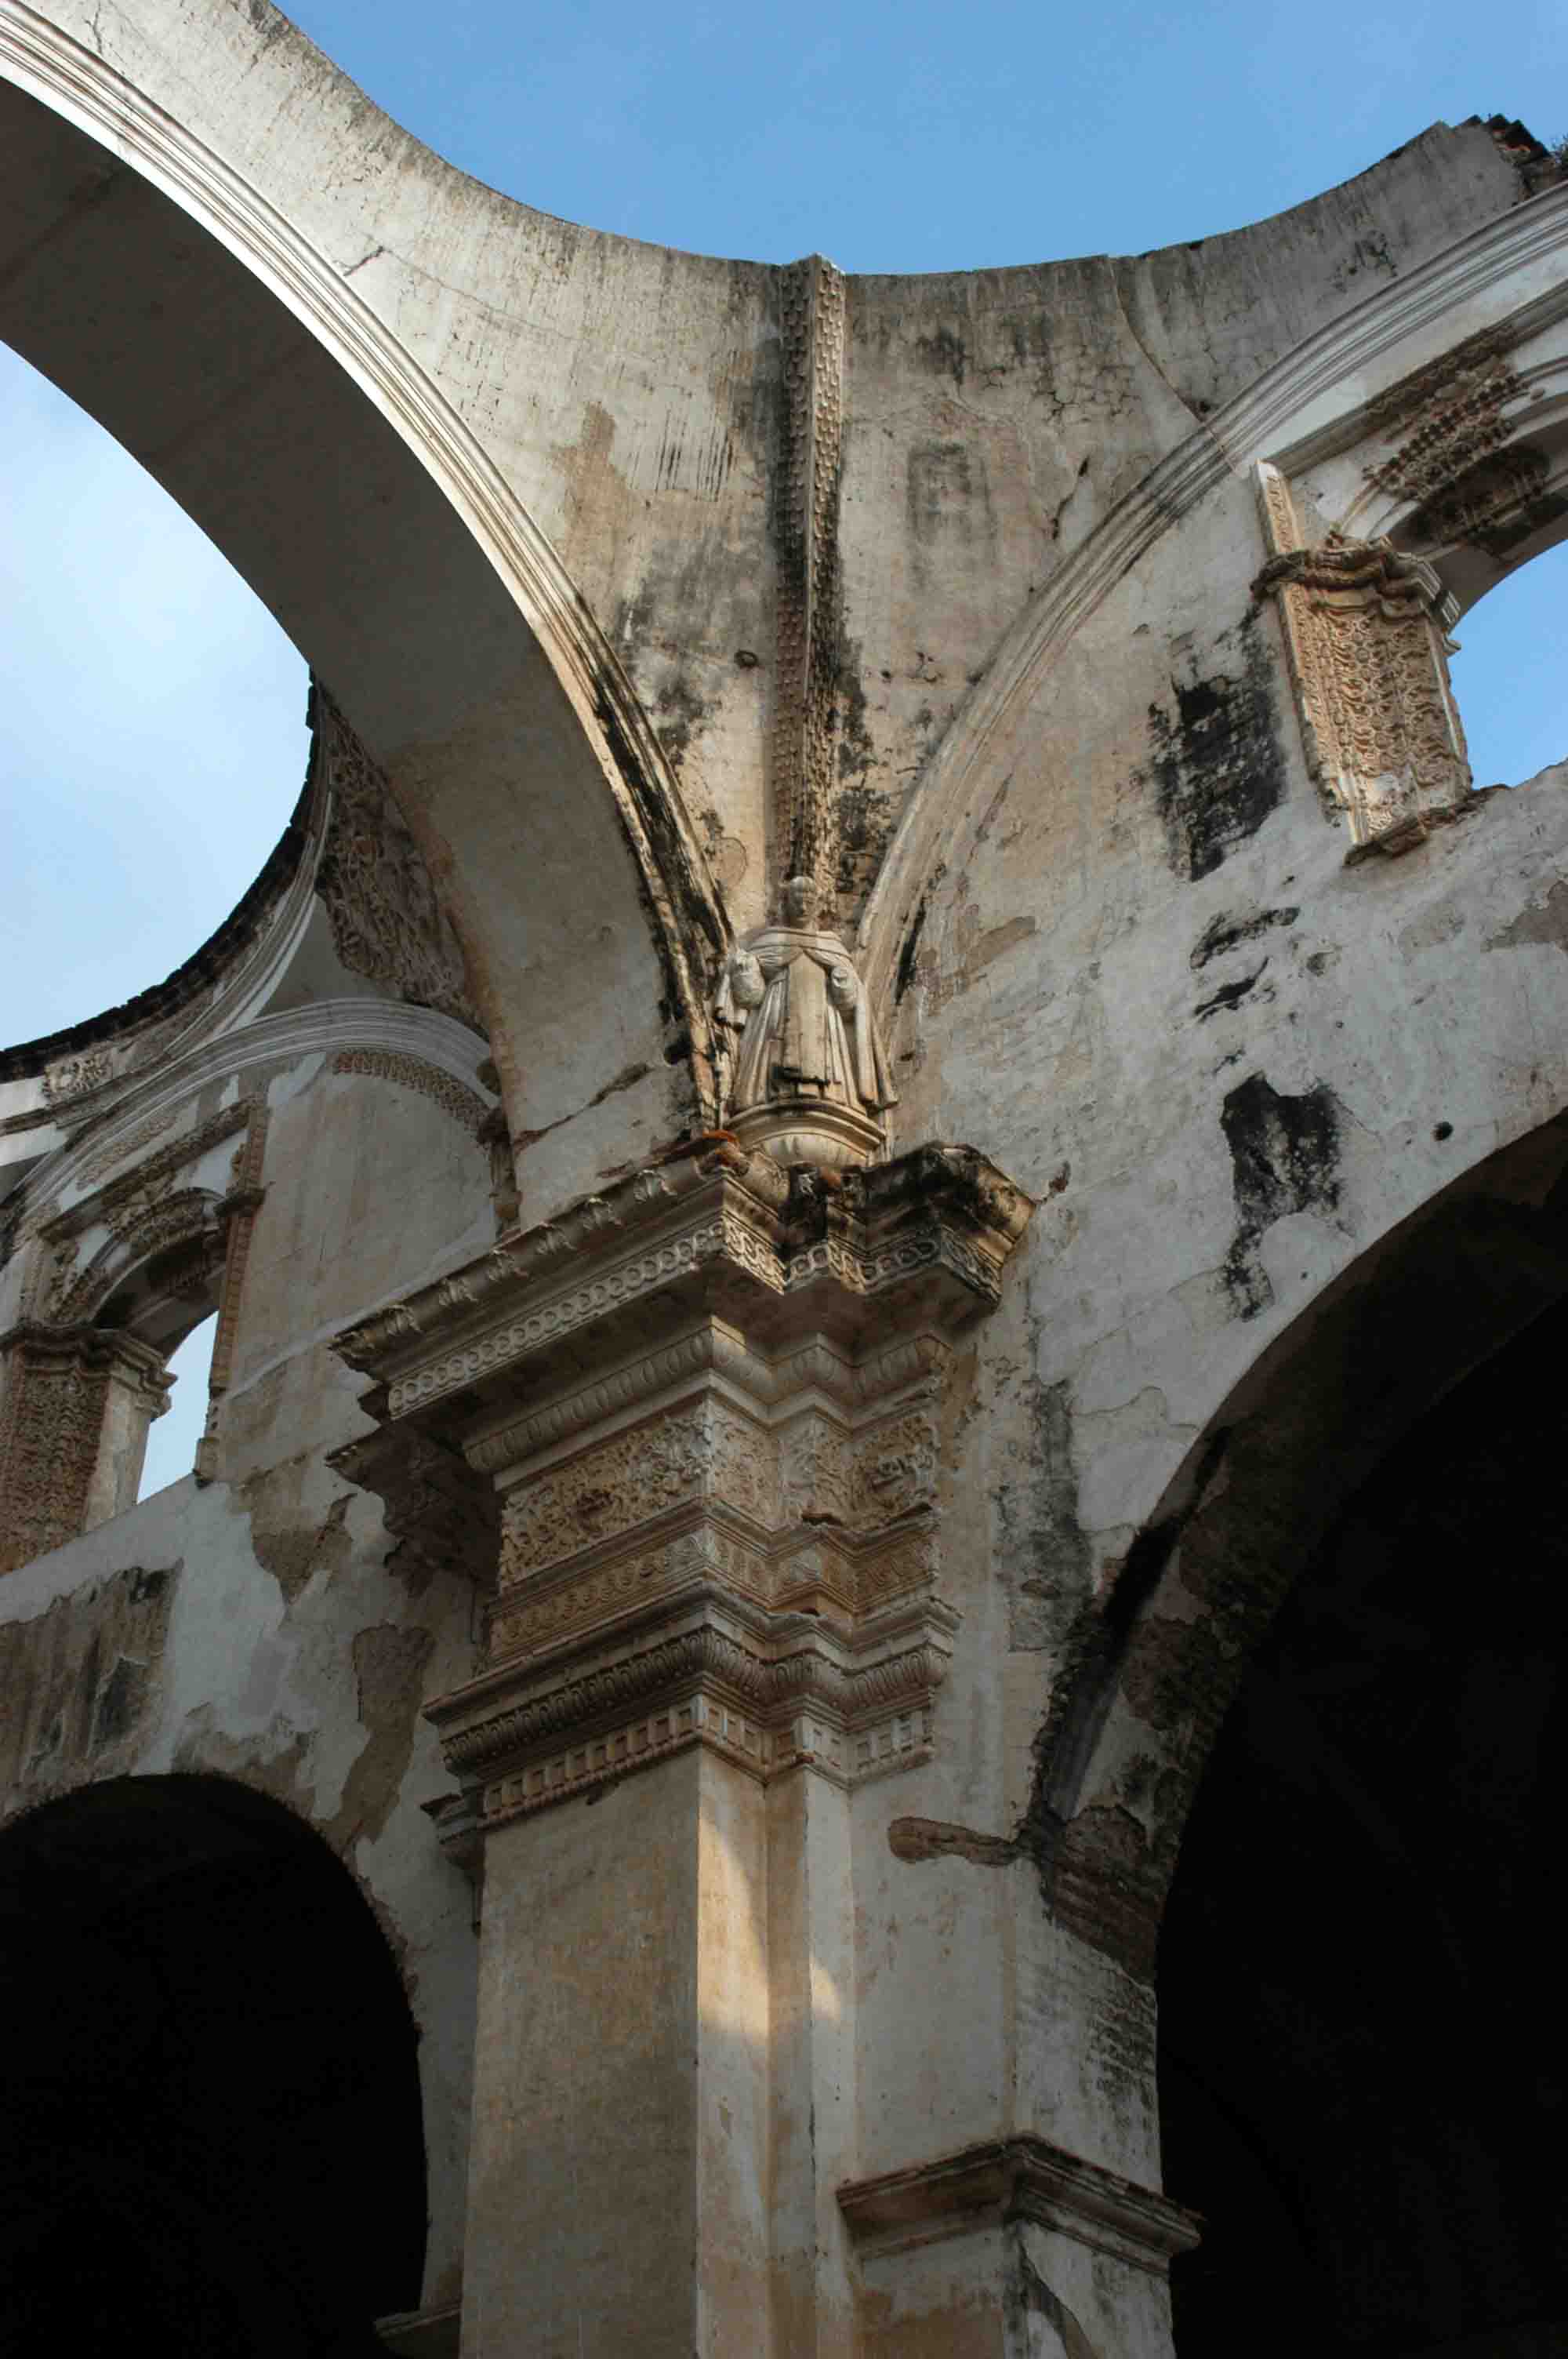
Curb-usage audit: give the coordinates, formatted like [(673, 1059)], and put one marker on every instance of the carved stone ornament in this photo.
[(77, 1402), (1367, 635), (387, 920), (808, 1080), (812, 333), (688, 1434)]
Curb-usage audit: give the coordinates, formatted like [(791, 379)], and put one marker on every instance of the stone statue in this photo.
[(808, 1079)]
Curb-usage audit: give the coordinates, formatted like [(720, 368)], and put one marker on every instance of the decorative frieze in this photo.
[(1366, 634), (1445, 418), (707, 1404)]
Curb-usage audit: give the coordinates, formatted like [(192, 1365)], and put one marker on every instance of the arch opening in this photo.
[(1507, 674), (153, 737), (256, 384), (173, 1440), (1358, 1963), (211, 2133)]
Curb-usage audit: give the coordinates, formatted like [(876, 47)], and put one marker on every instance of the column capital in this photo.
[(687, 1433)]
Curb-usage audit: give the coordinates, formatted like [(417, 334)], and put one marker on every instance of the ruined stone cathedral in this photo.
[(863, 1656)]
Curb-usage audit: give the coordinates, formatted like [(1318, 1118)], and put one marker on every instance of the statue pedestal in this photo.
[(798, 1130)]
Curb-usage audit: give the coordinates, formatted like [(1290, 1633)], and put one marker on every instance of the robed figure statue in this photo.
[(806, 1048)]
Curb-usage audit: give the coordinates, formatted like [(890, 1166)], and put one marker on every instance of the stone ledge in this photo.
[(1022, 2177)]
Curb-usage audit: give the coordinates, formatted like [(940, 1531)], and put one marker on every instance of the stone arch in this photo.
[(1309, 418), (213, 2126), (1356, 1964), (1134, 1720), (171, 297)]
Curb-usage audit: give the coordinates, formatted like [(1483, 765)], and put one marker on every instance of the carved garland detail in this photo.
[(412, 1073), (387, 920)]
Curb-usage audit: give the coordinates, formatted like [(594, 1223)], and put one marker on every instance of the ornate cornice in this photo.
[(690, 1434), (774, 1693), (1023, 2177), (713, 1227)]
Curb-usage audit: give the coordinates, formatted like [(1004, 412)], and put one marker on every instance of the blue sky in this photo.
[(151, 716)]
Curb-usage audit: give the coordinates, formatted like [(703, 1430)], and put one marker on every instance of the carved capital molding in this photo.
[(1022, 2177), (691, 1432), (1366, 632), (66, 1463)]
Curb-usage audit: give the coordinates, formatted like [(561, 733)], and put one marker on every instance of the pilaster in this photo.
[(75, 1406), (706, 1406)]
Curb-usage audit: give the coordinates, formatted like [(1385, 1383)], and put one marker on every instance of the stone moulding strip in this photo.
[(322, 1029), (1271, 414), (1022, 2177), (864, 1391), (940, 1209), (71, 82), (747, 1689)]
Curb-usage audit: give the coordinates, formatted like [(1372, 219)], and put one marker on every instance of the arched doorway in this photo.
[(1360, 2084), (210, 2121)]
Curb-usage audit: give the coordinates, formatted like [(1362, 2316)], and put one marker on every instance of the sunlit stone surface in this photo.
[(887, 1066)]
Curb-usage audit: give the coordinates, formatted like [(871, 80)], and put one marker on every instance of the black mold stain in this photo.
[(1039, 1527), (1217, 766), (910, 953), (947, 495), (1230, 994), (943, 353), (701, 925), (680, 714), (1224, 932), (1285, 1158), (119, 1700)]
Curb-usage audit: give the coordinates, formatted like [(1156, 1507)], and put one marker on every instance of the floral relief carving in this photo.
[(1497, 500), (717, 1507), (387, 920), (73, 1077), (57, 1382), (606, 1490), (1366, 632), (1448, 416)]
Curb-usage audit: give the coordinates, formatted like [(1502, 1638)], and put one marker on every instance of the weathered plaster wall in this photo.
[(521, 489), (193, 1634), (252, 1627)]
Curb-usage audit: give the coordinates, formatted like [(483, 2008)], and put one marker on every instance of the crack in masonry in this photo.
[(626, 1079)]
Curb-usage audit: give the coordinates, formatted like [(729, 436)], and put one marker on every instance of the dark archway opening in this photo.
[(1362, 2088), (209, 2118)]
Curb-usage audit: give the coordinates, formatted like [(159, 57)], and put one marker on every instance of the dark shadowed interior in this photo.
[(209, 2119), (1361, 2085)]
